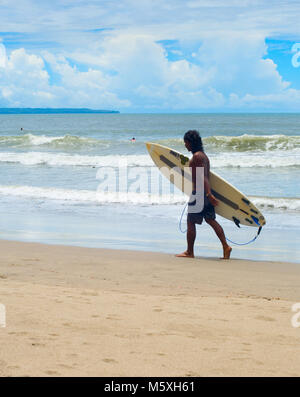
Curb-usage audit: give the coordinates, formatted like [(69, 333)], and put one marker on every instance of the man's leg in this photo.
[(190, 237), (220, 233)]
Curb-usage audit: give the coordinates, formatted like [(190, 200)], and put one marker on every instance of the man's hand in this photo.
[(213, 200)]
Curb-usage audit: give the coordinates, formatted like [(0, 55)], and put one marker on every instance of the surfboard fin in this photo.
[(255, 220), (236, 221)]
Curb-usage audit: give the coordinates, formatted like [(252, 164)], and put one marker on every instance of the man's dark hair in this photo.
[(194, 138)]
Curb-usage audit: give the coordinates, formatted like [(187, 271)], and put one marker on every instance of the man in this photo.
[(193, 143)]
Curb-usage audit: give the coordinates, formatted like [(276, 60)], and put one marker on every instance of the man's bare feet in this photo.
[(185, 254), (226, 252)]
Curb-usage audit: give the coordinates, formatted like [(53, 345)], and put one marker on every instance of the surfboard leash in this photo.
[(183, 211), (249, 242), (232, 242)]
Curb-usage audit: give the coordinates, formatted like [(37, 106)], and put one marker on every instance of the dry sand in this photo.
[(74, 311)]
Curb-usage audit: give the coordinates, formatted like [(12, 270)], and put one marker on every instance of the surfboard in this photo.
[(233, 204)]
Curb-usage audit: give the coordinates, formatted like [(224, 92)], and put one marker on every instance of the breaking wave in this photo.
[(243, 143), (224, 160), (143, 198)]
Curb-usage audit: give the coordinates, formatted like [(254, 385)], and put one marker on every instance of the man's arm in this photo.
[(198, 161)]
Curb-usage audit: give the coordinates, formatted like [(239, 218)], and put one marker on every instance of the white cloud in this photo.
[(68, 22), (146, 77), (225, 73), (285, 100), (3, 58), (129, 67), (134, 71), (240, 67), (24, 81)]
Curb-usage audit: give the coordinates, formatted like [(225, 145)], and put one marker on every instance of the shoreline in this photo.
[(169, 254), (77, 311)]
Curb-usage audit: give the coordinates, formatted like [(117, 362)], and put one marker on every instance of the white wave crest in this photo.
[(91, 196), (234, 160), (257, 160), (65, 159), (37, 140), (249, 143), (277, 203)]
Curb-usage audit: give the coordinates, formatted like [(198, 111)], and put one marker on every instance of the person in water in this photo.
[(193, 143)]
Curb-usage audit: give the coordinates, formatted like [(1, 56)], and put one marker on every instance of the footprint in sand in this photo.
[(32, 260), (191, 373), (112, 317), (36, 344), (13, 366), (21, 333), (261, 363), (66, 366), (210, 349), (89, 293), (110, 360), (50, 372), (265, 318)]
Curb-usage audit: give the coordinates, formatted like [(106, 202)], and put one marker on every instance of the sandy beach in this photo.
[(73, 311)]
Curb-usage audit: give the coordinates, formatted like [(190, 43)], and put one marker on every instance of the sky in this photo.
[(150, 56)]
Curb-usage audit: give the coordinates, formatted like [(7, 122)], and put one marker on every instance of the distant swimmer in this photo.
[(22, 129), (132, 139)]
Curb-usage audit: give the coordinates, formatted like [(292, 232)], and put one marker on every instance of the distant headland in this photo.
[(52, 110)]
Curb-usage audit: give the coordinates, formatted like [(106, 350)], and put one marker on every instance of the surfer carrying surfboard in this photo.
[(193, 143)]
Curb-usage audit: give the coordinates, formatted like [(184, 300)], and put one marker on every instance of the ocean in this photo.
[(78, 179)]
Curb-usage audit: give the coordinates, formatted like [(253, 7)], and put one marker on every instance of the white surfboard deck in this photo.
[(233, 204)]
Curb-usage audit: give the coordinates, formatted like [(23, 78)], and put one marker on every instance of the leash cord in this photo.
[(182, 213)]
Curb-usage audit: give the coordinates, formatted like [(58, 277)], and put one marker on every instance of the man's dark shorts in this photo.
[(208, 212)]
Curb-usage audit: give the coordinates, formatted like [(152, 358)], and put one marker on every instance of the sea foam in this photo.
[(131, 197)]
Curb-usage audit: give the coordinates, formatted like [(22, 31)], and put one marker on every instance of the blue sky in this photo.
[(151, 55)]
